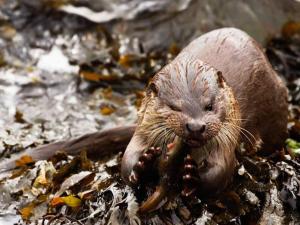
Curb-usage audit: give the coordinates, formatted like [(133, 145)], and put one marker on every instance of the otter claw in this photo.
[(189, 161), (190, 177), (188, 192), (146, 157), (190, 168), (133, 178), (140, 164)]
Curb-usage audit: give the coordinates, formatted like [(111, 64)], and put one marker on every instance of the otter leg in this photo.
[(190, 177), (145, 164), (137, 160)]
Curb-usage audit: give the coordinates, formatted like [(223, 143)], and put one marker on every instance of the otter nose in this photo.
[(194, 127)]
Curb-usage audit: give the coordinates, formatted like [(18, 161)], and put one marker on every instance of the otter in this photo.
[(219, 92)]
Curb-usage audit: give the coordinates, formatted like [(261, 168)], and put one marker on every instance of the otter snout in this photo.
[(196, 132), (194, 127)]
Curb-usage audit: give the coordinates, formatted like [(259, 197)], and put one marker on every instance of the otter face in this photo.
[(191, 99)]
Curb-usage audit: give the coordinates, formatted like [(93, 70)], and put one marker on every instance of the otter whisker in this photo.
[(160, 135), (236, 119), (231, 135), (234, 133), (242, 131), (226, 138), (225, 134)]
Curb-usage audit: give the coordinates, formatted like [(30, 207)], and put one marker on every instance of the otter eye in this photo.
[(209, 107), (175, 108)]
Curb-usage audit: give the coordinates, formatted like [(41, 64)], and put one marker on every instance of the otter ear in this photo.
[(221, 81), (152, 89)]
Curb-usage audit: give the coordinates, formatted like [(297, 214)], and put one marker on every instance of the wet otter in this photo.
[(218, 92)]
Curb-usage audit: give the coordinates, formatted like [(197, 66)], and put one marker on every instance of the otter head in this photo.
[(187, 98)]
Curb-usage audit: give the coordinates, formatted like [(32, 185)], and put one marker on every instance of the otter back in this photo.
[(261, 94)]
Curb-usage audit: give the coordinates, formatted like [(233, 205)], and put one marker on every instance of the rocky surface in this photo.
[(65, 73)]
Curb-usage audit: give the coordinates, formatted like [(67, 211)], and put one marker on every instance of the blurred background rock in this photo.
[(159, 23)]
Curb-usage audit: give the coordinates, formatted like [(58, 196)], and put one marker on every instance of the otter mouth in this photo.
[(195, 142)]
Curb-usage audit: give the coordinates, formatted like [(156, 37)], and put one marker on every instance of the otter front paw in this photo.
[(145, 163), (190, 177)]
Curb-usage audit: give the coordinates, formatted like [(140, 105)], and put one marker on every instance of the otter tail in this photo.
[(97, 145)]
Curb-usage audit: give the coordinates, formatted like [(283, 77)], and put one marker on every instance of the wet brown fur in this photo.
[(252, 98)]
